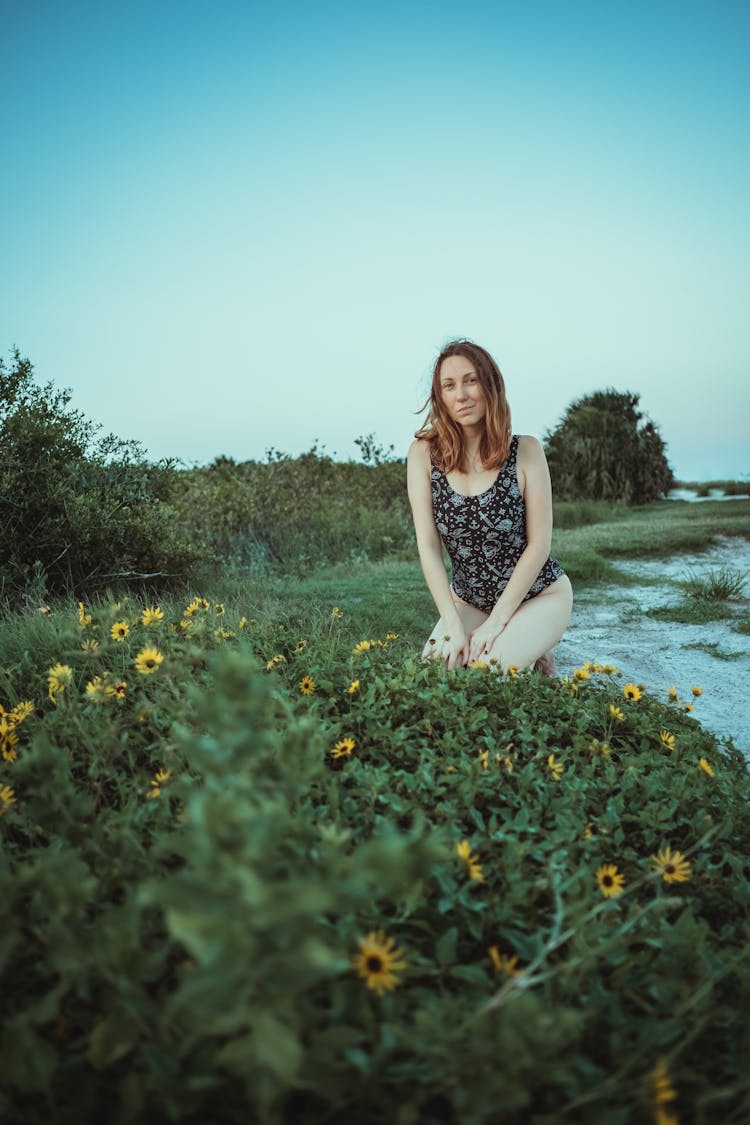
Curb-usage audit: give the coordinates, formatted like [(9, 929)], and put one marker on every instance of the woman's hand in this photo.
[(452, 649), (483, 638)]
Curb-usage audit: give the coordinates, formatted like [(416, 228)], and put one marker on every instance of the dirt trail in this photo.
[(658, 653)]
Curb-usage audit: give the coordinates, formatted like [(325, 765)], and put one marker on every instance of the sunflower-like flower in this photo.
[(336, 613), (148, 660), (479, 664), (672, 865), (512, 671), (473, 866), (152, 615), (279, 658), (7, 798), (361, 646), (242, 623), (343, 748), (632, 692), (616, 713), (353, 687), (90, 645), (59, 677), (555, 768), (705, 765), (8, 741), (307, 685), (672, 694), (696, 691), (219, 608), (610, 880), (119, 689), (662, 1093), (667, 739), (503, 962), (21, 711), (161, 777), (301, 645), (580, 675), (378, 961), (391, 636), (84, 619), (99, 690), (119, 631)]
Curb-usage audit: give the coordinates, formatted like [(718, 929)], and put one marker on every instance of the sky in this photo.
[(235, 227)]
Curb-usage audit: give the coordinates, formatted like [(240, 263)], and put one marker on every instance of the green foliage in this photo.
[(602, 449), (189, 872), (718, 585), (77, 511), (300, 511)]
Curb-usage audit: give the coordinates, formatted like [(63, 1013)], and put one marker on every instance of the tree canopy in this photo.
[(604, 448)]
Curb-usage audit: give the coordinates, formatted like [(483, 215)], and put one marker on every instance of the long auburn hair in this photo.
[(445, 436)]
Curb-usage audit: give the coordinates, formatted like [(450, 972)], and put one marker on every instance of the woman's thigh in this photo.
[(535, 627), (471, 619)]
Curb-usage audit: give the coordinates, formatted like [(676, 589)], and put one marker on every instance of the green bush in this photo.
[(78, 512), (209, 823), (299, 511)]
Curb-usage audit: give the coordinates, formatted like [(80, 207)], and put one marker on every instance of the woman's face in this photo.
[(461, 391)]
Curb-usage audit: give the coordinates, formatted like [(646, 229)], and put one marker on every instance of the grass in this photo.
[(719, 585), (692, 613), (714, 649)]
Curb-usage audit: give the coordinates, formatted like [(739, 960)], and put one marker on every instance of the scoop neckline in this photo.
[(475, 495)]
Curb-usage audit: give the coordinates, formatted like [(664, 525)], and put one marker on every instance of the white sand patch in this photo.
[(656, 653)]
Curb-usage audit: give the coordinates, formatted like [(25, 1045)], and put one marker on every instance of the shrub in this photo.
[(602, 449), (78, 511), (273, 879)]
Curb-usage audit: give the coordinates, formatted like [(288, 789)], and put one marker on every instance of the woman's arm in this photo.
[(534, 482), (431, 553)]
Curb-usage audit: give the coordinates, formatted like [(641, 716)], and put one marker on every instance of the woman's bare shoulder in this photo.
[(419, 452), (529, 448)]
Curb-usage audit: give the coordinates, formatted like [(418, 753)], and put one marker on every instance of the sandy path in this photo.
[(655, 653)]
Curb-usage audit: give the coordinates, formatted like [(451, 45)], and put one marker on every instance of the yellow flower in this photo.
[(696, 691), (98, 690), (353, 687), (503, 963), (672, 866), (505, 762), (555, 768), (152, 616), (300, 646), (44, 610), (479, 664), (473, 865), (361, 646), (581, 674), (243, 623), (120, 688), (663, 1092), (667, 739), (279, 658), (84, 619), (377, 962), (343, 748), (706, 767), (307, 685), (588, 831), (161, 776), (336, 613), (119, 631), (391, 636), (597, 747), (21, 711), (148, 660), (512, 671), (672, 694), (616, 713), (59, 677), (90, 645), (7, 798), (218, 608), (484, 758), (610, 880), (688, 707), (633, 692), (8, 742)]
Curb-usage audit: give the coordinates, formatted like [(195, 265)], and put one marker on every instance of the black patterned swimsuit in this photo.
[(485, 535)]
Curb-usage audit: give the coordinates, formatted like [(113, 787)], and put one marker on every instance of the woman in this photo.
[(484, 493)]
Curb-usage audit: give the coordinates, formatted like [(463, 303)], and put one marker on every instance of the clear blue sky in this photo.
[(234, 226)]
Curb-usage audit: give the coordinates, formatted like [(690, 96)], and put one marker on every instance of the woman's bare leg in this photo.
[(535, 627)]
